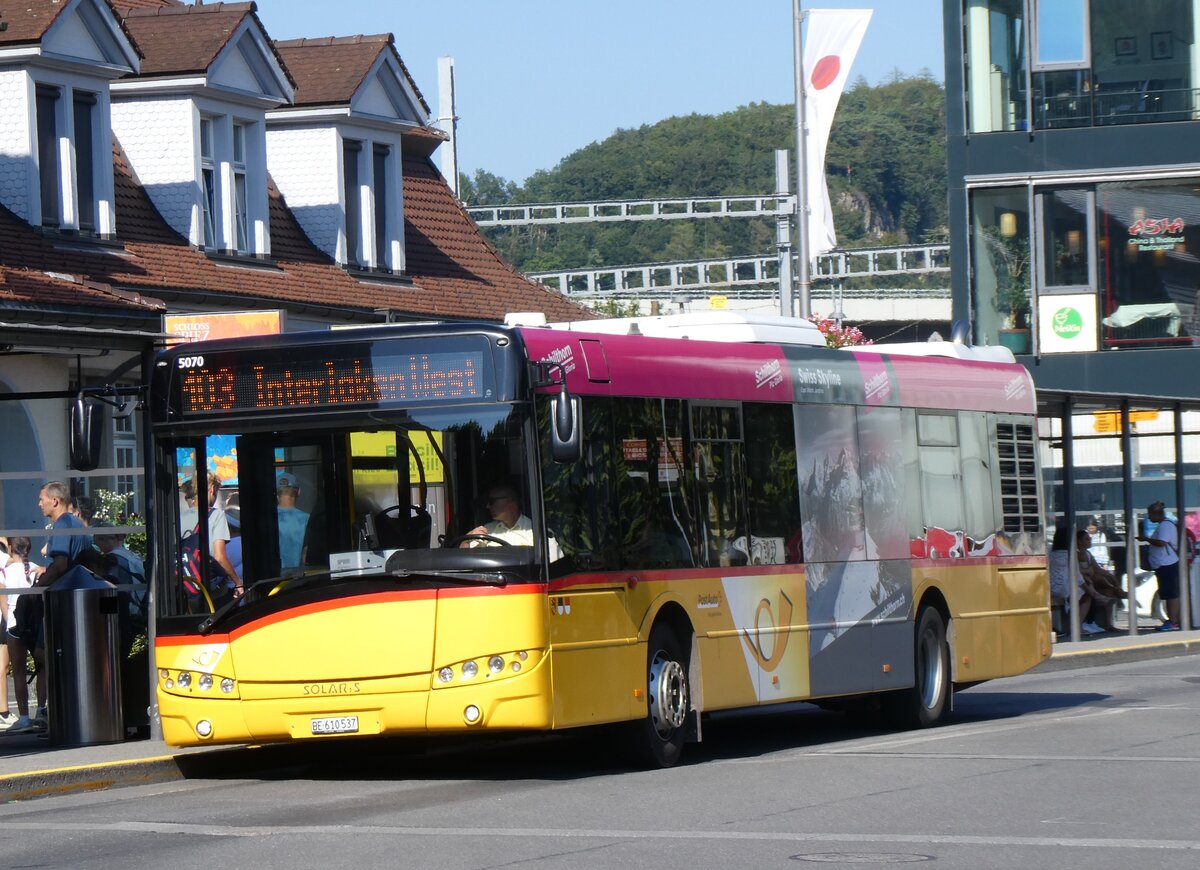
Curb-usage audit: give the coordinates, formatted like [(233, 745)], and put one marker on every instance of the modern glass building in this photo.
[(1074, 167)]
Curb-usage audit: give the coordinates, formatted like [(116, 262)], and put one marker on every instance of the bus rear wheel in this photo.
[(660, 735), (928, 701)]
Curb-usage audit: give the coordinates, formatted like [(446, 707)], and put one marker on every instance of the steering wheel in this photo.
[(454, 542)]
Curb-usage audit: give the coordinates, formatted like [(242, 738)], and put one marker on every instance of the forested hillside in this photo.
[(886, 166)]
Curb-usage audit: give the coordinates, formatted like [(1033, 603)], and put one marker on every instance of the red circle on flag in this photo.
[(825, 71)]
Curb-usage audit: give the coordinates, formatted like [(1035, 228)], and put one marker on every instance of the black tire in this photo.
[(928, 701), (659, 737)]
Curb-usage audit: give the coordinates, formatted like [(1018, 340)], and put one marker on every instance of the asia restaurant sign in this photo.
[(1156, 234)]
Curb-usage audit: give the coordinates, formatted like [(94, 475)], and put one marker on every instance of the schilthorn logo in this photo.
[(1067, 323)]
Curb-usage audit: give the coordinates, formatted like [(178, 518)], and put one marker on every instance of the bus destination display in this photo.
[(242, 382)]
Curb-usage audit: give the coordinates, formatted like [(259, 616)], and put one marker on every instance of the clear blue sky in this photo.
[(538, 79)]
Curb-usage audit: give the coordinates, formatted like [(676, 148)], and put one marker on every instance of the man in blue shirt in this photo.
[(292, 521), (65, 542)]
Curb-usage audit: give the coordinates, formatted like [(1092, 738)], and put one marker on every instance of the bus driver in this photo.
[(508, 523)]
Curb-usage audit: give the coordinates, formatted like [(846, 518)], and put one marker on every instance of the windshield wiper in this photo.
[(467, 578)]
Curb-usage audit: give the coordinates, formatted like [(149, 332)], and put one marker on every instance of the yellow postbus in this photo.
[(445, 528)]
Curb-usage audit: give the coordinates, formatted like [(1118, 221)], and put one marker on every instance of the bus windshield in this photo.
[(438, 495)]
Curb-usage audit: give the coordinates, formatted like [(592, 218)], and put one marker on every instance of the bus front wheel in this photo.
[(660, 735), (928, 701)]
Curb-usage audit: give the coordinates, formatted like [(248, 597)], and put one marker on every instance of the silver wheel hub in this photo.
[(930, 670), (668, 694)]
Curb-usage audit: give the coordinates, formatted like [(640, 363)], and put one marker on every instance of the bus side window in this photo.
[(717, 448), (941, 484), (884, 482), (578, 496), (655, 523), (830, 488), (772, 485)]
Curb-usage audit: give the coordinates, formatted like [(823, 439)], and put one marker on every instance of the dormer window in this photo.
[(208, 180), (67, 159), (240, 218), (228, 174), (368, 186)]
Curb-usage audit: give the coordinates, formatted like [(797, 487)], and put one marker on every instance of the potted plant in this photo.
[(1010, 258)]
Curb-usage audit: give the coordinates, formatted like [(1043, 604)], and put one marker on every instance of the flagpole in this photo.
[(803, 278)]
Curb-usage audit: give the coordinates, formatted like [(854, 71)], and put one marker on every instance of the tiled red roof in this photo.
[(123, 7), (455, 273), (28, 20), (328, 70), (29, 287), (182, 39)]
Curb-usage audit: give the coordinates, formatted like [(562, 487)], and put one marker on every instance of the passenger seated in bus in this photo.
[(292, 521)]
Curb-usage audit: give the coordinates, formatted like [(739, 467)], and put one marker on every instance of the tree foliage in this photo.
[(885, 164)]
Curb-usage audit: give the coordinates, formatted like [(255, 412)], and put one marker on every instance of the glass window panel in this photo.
[(1062, 31), (579, 495), (883, 482), (1144, 65), (830, 488), (1000, 263), (978, 498), (1149, 269), (996, 65), (379, 193), (656, 522), (351, 194), (48, 165), (85, 157), (772, 490), (937, 430), (1065, 246)]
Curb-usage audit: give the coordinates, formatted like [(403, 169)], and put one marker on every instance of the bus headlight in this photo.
[(493, 666), (205, 682)]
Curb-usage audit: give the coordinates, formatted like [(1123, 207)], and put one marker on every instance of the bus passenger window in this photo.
[(883, 482), (578, 496), (830, 488), (772, 488), (655, 520)]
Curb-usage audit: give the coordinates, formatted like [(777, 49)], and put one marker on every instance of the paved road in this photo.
[(1089, 769)]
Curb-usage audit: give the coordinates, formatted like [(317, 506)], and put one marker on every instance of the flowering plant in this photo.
[(837, 335)]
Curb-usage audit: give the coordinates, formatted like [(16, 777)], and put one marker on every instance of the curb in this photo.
[(214, 763), (88, 777), (1110, 655)]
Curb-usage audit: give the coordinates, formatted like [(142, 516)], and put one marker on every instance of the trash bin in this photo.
[(82, 658)]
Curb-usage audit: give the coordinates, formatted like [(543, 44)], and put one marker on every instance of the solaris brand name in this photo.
[(1067, 323)]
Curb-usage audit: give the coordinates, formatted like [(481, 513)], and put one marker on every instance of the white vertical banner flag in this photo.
[(830, 45)]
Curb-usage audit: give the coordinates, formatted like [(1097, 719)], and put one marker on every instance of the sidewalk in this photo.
[(30, 767)]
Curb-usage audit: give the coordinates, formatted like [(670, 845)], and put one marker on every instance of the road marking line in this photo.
[(604, 834)]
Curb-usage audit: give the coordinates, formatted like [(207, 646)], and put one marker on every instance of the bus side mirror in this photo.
[(565, 432), (87, 433)]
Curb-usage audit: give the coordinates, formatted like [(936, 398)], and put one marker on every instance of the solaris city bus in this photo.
[(725, 513)]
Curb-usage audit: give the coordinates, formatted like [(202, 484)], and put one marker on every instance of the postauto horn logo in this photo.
[(1067, 323)]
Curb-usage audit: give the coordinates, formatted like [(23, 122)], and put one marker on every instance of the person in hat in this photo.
[(1164, 561), (292, 521)]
